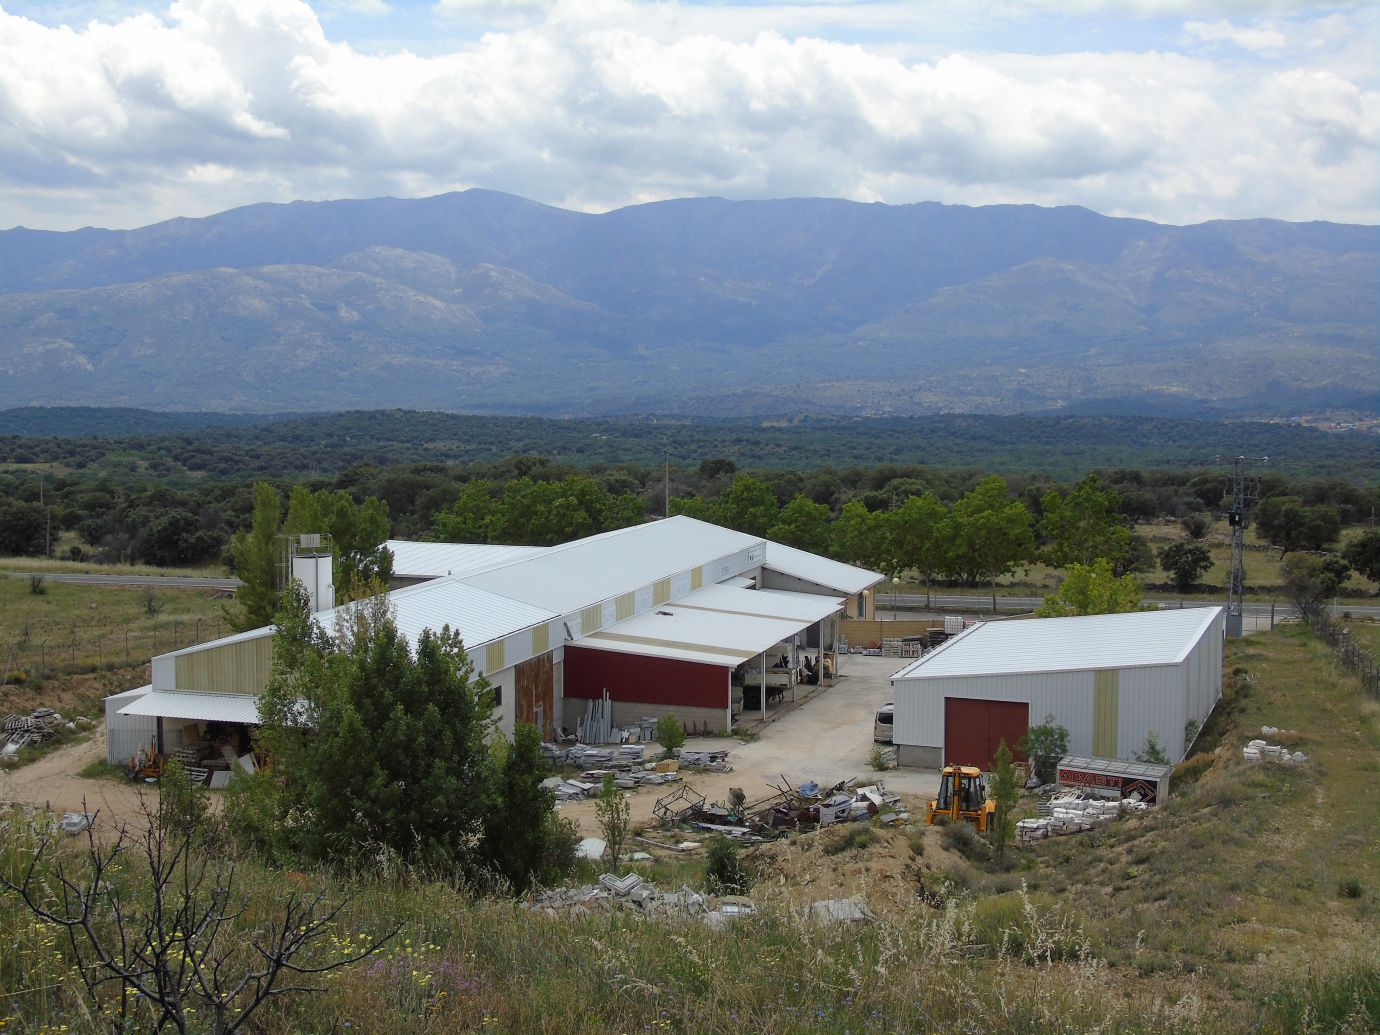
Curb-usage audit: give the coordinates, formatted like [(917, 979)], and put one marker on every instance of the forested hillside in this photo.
[(486, 302)]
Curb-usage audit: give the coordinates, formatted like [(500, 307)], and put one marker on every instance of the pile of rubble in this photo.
[(807, 806), (21, 731), (1262, 751), (1073, 812), (631, 893)]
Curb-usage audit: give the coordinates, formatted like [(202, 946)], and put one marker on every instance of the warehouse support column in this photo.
[(728, 708), (763, 702)]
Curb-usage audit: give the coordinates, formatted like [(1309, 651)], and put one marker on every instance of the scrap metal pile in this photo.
[(806, 807)]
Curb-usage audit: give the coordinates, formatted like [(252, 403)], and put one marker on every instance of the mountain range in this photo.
[(483, 302)]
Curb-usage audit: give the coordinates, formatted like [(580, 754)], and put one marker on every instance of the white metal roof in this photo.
[(129, 695), (569, 577), (432, 560), (478, 615), (846, 578), (1135, 640), (251, 634), (765, 603), (687, 632), (185, 704)]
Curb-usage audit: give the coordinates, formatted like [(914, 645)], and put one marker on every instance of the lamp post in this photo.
[(895, 597)]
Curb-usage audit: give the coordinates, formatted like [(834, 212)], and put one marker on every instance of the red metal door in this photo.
[(1009, 721), (965, 731), (974, 728)]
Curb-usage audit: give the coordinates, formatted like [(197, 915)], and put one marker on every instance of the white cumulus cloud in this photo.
[(212, 103)]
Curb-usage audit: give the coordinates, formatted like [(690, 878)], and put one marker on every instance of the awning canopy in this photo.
[(717, 625), (185, 704)]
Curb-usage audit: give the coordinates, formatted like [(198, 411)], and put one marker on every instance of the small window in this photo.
[(497, 690)]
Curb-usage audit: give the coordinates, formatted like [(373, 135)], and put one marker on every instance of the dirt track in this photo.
[(52, 782), (826, 739)]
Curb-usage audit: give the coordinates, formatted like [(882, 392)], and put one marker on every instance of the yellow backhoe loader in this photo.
[(962, 798)]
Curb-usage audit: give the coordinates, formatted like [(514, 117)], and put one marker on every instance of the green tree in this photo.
[(396, 757), (22, 528), (544, 513), (748, 506), (357, 531), (1195, 525), (1185, 563), (1309, 582), (612, 810), (1044, 745), (520, 828), (855, 536), (918, 536), (1092, 590), (1363, 554), (670, 734), (1006, 791), (988, 534), (804, 524), (255, 555), (1084, 526), (1285, 522), (470, 518)]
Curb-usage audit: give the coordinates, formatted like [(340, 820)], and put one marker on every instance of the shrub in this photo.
[(857, 836), (1151, 752), (963, 839), (38, 585), (612, 810), (1190, 770), (670, 734), (182, 805), (878, 759), (723, 870), (1350, 888), (1044, 745)]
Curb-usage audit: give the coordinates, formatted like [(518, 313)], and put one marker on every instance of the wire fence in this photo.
[(36, 658), (1362, 662)]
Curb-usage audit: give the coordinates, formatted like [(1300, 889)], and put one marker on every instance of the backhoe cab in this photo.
[(962, 798)]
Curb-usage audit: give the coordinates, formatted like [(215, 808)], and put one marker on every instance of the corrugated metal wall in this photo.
[(234, 668), (126, 734), (631, 677), (1066, 695)]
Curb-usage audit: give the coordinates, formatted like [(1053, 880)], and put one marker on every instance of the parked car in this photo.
[(881, 726)]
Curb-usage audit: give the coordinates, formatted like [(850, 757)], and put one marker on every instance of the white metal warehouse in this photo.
[(1110, 680), (671, 615)]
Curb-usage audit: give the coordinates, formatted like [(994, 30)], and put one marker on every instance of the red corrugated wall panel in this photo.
[(632, 677)]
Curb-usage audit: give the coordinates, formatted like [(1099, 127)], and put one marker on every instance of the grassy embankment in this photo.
[(1248, 904), (71, 629)]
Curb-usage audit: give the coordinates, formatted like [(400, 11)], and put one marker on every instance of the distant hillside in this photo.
[(1062, 446), (484, 302), (117, 422)]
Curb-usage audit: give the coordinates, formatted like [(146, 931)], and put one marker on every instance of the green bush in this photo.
[(857, 836), (1351, 888), (963, 839), (670, 734), (723, 870), (1191, 770)]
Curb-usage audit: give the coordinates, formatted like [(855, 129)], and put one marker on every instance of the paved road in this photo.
[(978, 603), (154, 581)]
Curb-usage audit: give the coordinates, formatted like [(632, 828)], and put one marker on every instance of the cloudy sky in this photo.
[(120, 113)]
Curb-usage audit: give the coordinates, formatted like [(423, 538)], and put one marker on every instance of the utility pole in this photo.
[(667, 512), (1242, 496)]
